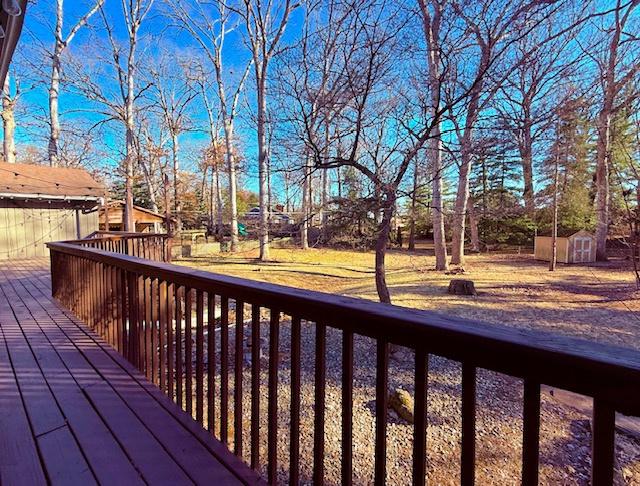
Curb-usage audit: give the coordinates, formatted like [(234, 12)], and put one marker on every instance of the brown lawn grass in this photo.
[(596, 301)]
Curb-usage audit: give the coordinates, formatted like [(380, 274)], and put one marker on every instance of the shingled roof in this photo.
[(26, 180)]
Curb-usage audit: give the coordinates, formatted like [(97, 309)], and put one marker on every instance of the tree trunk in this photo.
[(148, 172), (460, 208), (306, 210), (602, 180), (8, 124), (233, 184), (324, 194), (414, 199), (263, 170), (439, 238), (554, 228), (218, 189), (177, 203), (526, 155), (431, 28), (129, 224), (384, 229), (54, 93), (473, 227)]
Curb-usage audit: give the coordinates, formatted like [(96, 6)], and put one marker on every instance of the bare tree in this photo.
[(305, 72), (209, 23), (527, 98), (126, 65), (618, 66), (151, 151), (212, 159), (61, 42), (173, 93), (432, 12), (371, 125), (264, 26), (489, 35)]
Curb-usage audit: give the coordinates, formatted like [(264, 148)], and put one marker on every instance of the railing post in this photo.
[(53, 268), (603, 460)]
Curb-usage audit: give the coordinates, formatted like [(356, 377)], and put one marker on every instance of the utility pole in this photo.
[(554, 234)]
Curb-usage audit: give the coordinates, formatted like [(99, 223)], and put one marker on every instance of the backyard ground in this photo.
[(597, 302)]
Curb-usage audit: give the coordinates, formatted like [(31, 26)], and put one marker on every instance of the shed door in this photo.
[(582, 250)]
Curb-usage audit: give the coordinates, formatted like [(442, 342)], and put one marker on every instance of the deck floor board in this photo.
[(73, 411)]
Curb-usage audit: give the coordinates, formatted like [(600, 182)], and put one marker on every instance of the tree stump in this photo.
[(460, 286)]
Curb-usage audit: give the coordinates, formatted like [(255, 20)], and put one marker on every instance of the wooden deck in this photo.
[(73, 411)]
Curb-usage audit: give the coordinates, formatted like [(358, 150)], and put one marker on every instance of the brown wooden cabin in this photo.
[(145, 220), (39, 204)]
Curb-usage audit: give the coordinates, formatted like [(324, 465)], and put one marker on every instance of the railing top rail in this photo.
[(114, 236), (611, 373)]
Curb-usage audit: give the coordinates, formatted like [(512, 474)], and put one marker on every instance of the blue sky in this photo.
[(156, 35)]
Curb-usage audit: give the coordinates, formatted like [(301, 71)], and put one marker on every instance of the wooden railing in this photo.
[(146, 309), (152, 246)]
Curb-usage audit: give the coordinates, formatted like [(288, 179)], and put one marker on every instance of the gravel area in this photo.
[(565, 432)]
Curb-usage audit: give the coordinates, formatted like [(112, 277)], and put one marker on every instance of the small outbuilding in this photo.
[(145, 220), (39, 204), (574, 247)]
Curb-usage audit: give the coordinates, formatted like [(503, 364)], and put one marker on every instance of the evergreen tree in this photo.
[(575, 152)]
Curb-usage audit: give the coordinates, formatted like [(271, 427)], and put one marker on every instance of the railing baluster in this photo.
[(162, 295), (347, 407), (420, 418), (171, 322), (96, 299), (294, 446), (272, 409), (148, 329), (109, 303), (467, 460), (132, 312), (117, 323), (224, 370), (255, 386), (237, 396), (92, 296), (142, 349), (124, 322), (178, 346), (155, 322), (530, 433), (319, 403), (382, 398), (199, 356), (188, 351), (603, 443), (211, 361)]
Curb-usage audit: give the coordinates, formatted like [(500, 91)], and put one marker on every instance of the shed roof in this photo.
[(28, 180), (563, 233)]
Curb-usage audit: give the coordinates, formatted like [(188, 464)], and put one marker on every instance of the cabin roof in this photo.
[(29, 181), (118, 208)]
